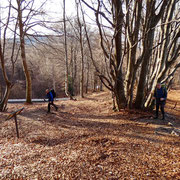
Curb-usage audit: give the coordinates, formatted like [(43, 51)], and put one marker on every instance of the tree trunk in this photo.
[(146, 54), (1, 94), (87, 77), (119, 92), (53, 79), (23, 55), (82, 52), (65, 48), (132, 40), (94, 81), (75, 71), (5, 98), (82, 71), (119, 83)]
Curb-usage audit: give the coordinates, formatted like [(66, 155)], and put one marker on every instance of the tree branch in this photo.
[(99, 12)]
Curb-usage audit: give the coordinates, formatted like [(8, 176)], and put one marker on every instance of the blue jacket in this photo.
[(160, 93), (50, 96)]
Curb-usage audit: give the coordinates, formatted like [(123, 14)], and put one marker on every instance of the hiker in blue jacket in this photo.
[(50, 97), (160, 95)]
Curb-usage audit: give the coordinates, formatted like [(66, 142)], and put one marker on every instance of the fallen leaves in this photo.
[(86, 140)]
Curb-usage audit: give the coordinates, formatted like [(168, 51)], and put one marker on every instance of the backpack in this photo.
[(53, 93), (164, 88)]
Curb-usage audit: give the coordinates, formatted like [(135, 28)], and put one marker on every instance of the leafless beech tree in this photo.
[(80, 37), (26, 12), (166, 49), (140, 42), (5, 57), (22, 16), (77, 52), (65, 48), (23, 51)]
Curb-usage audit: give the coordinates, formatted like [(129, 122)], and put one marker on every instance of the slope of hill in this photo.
[(85, 139)]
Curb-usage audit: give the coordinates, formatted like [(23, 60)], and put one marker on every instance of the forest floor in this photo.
[(85, 139)]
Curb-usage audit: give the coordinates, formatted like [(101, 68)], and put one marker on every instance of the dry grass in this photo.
[(85, 139)]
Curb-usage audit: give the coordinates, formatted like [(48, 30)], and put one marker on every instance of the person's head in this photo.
[(47, 91), (159, 85)]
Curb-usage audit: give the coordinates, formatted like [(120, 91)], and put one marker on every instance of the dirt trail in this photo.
[(85, 139)]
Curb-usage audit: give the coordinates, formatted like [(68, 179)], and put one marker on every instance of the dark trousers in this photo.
[(51, 103), (161, 104)]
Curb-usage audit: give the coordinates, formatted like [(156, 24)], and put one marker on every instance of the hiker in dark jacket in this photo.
[(160, 95), (50, 97)]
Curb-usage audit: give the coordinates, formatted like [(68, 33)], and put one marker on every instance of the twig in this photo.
[(175, 105)]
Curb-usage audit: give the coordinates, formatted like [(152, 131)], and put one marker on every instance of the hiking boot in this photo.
[(163, 118)]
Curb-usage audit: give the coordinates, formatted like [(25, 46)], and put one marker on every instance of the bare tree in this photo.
[(80, 37), (23, 52), (167, 50), (26, 21), (13, 57), (65, 48), (133, 53)]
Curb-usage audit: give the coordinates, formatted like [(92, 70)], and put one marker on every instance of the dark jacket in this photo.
[(160, 93), (50, 96)]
